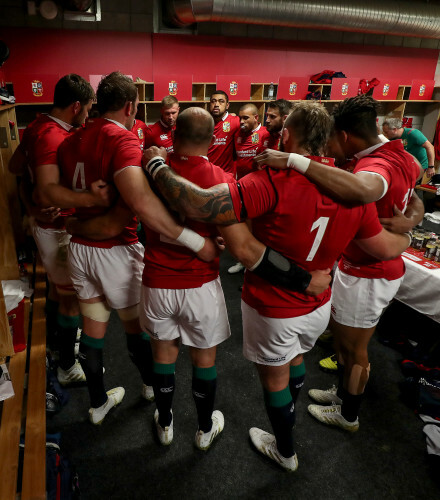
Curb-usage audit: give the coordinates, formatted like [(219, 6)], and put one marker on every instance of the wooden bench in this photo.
[(27, 409)]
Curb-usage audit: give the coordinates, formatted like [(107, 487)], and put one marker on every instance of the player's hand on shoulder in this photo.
[(150, 153), (209, 251), (104, 194), (319, 283), (272, 158), (399, 223)]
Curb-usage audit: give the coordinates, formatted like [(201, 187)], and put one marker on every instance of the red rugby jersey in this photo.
[(140, 130), (292, 216), (247, 146), (159, 135), (400, 172), (221, 152), (99, 151), (40, 143), (169, 265), (272, 141)]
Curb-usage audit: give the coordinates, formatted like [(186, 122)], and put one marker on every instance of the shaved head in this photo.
[(194, 126), (249, 108)]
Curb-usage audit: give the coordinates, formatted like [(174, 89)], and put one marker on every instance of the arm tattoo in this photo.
[(213, 205)]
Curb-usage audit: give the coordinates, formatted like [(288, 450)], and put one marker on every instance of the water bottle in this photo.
[(271, 91)]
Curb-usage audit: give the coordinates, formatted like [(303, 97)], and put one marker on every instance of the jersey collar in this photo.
[(367, 151), (164, 125), (66, 126), (119, 124), (225, 116)]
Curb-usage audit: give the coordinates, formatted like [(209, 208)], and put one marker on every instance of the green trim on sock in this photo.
[(278, 398), (92, 342), (51, 306), (163, 369), (205, 373), (145, 336), (68, 321), (297, 371)]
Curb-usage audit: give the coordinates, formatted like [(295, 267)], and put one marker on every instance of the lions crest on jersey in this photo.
[(226, 127), (255, 138), (140, 133)]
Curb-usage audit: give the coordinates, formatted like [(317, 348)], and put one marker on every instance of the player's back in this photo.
[(400, 171), (168, 265), (304, 225), (98, 152)]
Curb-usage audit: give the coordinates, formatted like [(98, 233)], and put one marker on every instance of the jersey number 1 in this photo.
[(321, 224)]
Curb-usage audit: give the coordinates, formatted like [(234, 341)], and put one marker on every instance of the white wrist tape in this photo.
[(191, 240), (298, 162), (258, 261), (154, 165)]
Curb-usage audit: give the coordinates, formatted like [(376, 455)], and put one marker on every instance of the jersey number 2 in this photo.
[(79, 172), (321, 224)]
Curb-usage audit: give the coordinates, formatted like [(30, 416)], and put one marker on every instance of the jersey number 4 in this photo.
[(79, 174), (321, 224)]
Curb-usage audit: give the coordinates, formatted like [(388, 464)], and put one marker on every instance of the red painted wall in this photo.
[(71, 51), (144, 55)]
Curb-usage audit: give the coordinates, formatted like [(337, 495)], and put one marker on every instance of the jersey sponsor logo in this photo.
[(164, 137), (226, 127), (386, 89), (140, 133), (255, 138), (292, 88), (37, 88), (422, 90), (233, 88), (172, 87), (344, 89)]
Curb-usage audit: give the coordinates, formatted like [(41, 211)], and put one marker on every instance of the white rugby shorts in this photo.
[(276, 341), (197, 316), (52, 246), (113, 272), (359, 302)]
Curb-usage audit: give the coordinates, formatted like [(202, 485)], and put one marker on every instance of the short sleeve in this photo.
[(126, 152), (253, 196), (46, 147), (375, 166), (417, 137)]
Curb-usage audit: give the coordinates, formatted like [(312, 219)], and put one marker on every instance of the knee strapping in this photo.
[(358, 379), (128, 313), (99, 311)]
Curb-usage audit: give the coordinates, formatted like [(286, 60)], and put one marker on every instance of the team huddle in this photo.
[(283, 209)]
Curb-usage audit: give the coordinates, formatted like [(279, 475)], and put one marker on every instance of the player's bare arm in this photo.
[(243, 245), (340, 185), (404, 222), (137, 194), (49, 191), (44, 215), (385, 245), (102, 227), (17, 163), (212, 205)]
